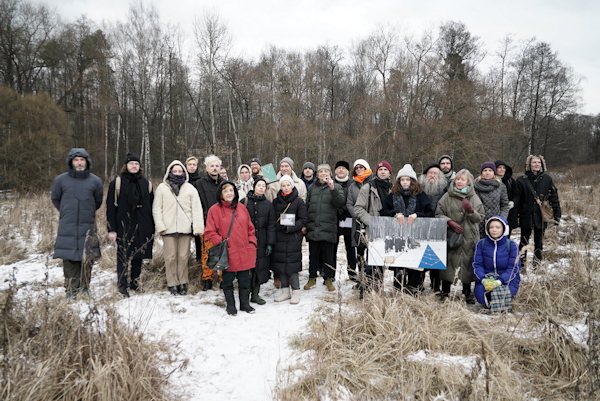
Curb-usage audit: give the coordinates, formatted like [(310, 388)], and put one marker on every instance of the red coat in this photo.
[(242, 241)]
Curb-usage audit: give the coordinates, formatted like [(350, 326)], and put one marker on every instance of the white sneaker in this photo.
[(295, 297), (282, 294)]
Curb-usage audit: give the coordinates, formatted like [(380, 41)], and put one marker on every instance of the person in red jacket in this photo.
[(241, 244)]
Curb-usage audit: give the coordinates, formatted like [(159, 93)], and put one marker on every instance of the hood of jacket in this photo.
[(509, 170), (170, 166), (504, 223), (79, 152), (528, 162)]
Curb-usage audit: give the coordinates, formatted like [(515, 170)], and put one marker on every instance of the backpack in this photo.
[(118, 189)]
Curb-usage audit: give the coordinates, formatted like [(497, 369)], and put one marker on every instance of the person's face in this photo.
[(405, 182), (133, 167), (487, 173), (341, 172), (285, 169), (223, 172), (445, 165), (460, 182), (255, 167), (432, 174), (191, 166), (308, 172), (536, 164), (286, 187), (500, 170), (228, 193), (213, 168), (383, 173), (177, 170), (324, 175), (79, 163), (496, 229), (359, 169), (245, 174), (260, 188)]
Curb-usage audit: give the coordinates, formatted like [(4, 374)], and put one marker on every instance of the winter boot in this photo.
[(282, 294), (183, 289), (329, 284), (230, 300), (295, 297), (245, 301), (173, 290), (123, 291), (207, 285), (312, 282), (254, 297), (469, 298)]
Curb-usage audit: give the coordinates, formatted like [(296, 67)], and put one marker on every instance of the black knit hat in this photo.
[(132, 157), (342, 163), (429, 167), (257, 160)]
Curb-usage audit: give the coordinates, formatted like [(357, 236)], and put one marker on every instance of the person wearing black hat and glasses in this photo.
[(130, 222)]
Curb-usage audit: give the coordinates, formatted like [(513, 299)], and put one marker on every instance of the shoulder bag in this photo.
[(218, 255)]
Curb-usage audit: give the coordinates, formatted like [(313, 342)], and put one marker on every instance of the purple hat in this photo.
[(491, 165)]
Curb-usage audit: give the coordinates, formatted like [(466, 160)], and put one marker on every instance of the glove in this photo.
[(511, 204), (467, 206), (454, 226), (268, 250), (490, 284)]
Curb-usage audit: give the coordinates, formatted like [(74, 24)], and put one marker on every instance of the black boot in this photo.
[(173, 290), (207, 285), (245, 301), (123, 291), (183, 289), (255, 297), (230, 300), (445, 293), (469, 298)]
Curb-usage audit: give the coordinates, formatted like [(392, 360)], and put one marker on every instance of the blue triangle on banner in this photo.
[(431, 261)]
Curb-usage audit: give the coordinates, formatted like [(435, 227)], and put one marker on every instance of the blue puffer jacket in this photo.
[(499, 256)]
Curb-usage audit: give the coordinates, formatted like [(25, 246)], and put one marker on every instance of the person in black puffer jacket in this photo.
[(529, 214), (286, 259), (263, 217), (505, 173)]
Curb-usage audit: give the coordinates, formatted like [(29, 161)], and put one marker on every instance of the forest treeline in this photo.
[(131, 86)]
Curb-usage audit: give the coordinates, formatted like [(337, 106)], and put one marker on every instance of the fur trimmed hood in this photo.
[(528, 163)]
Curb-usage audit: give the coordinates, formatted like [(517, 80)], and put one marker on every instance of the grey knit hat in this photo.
[(288, 160)]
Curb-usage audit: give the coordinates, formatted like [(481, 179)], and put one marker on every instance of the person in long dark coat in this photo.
[(286, 259), (505, 173), (130, 222), (263, 217)]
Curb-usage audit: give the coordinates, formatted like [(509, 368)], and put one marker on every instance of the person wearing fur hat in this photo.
[(263, 217), (308, 174), (178, 215), (244, 182), (241, 244), (446, 164), (130, 222), (496, 266), (369, 203), (286, 167), (342, 177), (464, 211), (535, 183), (323, 200), (290, 222), (361, 174), (492, 193), (505, 173), (406, 203)]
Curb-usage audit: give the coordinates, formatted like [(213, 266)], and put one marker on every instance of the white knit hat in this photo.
[(286, 178), (362, 162), (407, 171)]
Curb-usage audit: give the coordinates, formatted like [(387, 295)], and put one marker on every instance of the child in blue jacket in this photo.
[(496, 266)]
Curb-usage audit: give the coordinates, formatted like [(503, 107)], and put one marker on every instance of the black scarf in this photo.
[(383, 187), (400, 205), (131, 189), (79, 174), (175, 182)]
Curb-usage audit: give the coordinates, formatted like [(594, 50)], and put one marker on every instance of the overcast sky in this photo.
[(571, 27)]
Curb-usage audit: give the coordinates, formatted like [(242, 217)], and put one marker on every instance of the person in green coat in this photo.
[(323, 200), (464, 211)]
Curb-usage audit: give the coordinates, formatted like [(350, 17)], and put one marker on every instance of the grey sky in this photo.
[(571, 27)]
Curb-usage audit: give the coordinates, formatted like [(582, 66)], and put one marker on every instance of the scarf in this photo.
[(175, 182), (383, 187), (400, 205), (79, 174), (462, 191), (486, 185), (132, 191), (361, 178), (340, 180)]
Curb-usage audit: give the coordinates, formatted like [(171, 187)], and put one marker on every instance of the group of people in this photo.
[(266, 221)]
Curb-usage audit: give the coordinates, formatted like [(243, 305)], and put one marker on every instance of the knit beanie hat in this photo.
[(259, 180), (491, 165), (324, 166), (429, 167), (446, 157), (255, 159), (362, 162), (383, 163), (288, 160), (309, 165), (132, 157), (407, 171), (342, 163), (286, 178)]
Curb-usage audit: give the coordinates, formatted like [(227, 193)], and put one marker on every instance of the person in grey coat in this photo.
[(77, 194), (492, 194)]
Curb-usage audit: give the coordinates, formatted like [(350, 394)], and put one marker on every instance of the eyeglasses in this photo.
[(359, 167)]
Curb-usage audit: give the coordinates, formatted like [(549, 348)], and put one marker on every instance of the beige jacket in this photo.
[(177, 214), (274, 187)]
